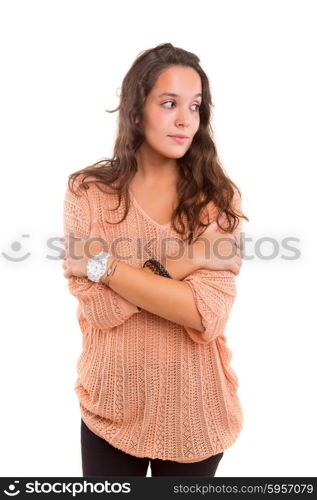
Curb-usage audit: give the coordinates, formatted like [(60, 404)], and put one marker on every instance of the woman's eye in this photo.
[(167, 102), (172, 102), (198, 106)]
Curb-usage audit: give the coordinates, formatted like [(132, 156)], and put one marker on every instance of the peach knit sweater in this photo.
[(149, 386)]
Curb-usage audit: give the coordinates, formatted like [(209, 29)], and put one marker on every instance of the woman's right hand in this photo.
[(217, 251)]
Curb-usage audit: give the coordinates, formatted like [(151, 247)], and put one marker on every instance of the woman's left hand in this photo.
[(78, 251)]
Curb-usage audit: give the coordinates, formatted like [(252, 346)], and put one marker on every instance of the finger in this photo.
[(65, 265)]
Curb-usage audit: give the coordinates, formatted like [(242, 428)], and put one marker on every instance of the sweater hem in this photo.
[(113, 443)]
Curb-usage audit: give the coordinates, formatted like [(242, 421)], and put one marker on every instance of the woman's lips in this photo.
[(180, 140)]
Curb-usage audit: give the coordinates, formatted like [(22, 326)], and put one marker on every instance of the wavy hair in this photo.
[(202, 178)]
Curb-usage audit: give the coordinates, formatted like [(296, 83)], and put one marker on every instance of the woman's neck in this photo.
[(154, 170)]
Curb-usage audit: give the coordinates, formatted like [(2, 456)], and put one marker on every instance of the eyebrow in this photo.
[(176, 95)]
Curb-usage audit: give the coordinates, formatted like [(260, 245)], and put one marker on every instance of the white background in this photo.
[(62, 63)]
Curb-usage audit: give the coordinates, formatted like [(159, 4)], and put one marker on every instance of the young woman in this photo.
[(152, 249)]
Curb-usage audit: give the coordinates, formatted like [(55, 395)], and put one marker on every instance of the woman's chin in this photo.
[(175, 154)]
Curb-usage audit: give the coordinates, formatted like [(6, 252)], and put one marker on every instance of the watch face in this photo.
[(96, 266)]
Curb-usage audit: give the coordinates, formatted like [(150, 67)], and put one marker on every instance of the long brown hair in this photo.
[(201, 179)]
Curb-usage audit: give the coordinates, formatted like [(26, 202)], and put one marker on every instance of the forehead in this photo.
[(184, 81)]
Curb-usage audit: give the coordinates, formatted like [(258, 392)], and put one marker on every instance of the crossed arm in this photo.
[(198, 299), (169, 298)]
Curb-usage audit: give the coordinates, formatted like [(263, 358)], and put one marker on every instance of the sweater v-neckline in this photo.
[(140, 209)]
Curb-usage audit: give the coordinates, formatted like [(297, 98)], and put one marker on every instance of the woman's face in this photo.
[(168, 115)]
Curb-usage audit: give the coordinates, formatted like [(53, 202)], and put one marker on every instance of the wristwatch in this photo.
[(97, 265)]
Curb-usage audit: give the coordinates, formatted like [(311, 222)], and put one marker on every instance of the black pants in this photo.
[(100, 458)]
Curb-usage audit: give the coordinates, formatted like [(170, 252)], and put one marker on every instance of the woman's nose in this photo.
[(182, 117)]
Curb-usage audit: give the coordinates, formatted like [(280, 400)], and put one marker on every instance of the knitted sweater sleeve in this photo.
[(214, 293), (102, 307)]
